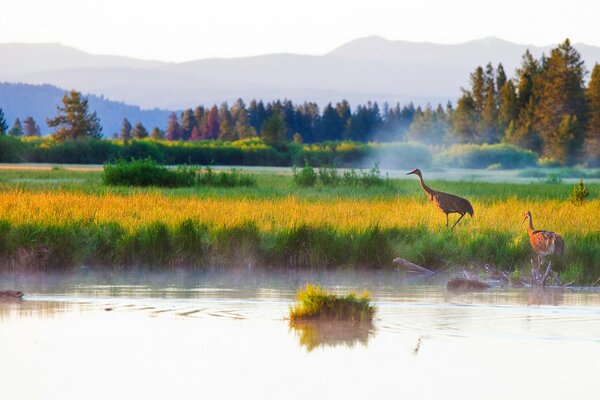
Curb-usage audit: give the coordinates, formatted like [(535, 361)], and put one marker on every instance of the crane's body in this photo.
[(446, 202), (544, 243)]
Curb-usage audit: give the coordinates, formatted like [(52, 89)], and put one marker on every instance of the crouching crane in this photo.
[(544, 244), (446, 202)]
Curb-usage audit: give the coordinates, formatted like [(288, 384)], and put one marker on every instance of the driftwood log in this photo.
[(410, 267), (10, 295)]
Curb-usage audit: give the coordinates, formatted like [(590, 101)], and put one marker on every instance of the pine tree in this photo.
[(210, 127), (3, 124), (157, 134), (560, 142), (139, 131), (488, 132), (561, 103), (188, 122), (500, 78), (478, 89), (465, 120), (592, 134), (508, 110), (125, 129), (17, 129), (30, 127), (195, 134), (332, 126), (273, 131), (173, 132), (74, 120)]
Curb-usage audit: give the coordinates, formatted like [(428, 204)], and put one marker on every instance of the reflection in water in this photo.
[(313, 334), (545, 296)]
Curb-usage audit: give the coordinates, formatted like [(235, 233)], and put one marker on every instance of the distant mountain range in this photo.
[(40, 102), (370, 68)]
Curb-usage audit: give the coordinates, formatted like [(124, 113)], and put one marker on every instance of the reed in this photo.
[(315, 303)]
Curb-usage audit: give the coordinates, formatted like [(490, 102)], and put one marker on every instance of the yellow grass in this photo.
[(131, 211)]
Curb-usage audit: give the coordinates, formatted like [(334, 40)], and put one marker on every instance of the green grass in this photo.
[(315, 303), (277, 185)]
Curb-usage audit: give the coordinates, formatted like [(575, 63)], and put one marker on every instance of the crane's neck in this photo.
[(530, 228), (426, 188)]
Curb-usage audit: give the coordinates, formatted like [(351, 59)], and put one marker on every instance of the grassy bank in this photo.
[(283, 226)]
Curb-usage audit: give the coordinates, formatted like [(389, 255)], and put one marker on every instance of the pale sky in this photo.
[(181, 30)]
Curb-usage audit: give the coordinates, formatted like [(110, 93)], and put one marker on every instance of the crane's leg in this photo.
[(461, 215), (446, 220)]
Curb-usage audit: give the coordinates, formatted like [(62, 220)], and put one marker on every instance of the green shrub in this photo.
[(329, 176), (364, 179), (306, 177), (147, 173), (482, 156), (231, 178)]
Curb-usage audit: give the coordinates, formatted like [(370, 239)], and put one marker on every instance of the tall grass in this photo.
[(63, 229)]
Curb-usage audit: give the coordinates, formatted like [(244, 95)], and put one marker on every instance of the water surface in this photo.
[(225, 335)]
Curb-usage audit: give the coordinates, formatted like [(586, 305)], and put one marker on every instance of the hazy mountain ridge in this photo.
[(40, 102), (371, 68)]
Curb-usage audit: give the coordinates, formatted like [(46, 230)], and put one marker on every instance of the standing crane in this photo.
[(446, 202), (545, 244)]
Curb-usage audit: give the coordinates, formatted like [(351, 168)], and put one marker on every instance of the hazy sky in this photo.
[(179, 30)]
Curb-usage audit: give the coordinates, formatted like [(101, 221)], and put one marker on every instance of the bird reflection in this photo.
[(315, 334)]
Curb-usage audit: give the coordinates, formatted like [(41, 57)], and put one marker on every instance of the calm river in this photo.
[(225, 336)]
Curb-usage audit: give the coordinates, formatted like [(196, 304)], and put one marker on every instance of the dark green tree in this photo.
[(500, 78), (508, 108), (561, 103), (3, 124), (188, 122), (17, 129), (273, 131), (126, 129), (465, 120), (74, 120), (592, 132), (478, 89), (139, 131)]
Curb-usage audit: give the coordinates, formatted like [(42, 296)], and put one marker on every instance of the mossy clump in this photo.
[(315, 303)]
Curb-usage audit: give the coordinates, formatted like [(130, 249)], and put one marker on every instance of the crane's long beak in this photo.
[(524, 219), (412, 172)]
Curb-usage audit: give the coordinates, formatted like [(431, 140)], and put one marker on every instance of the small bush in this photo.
[(231, 178), (329, 177), (306, 177), (579, 193), (147, 173), (364, 179), (316, 303)]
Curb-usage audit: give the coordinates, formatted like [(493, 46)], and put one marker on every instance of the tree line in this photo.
[(546, 107)]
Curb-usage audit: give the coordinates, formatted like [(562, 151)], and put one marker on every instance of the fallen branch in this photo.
[(410, 267)]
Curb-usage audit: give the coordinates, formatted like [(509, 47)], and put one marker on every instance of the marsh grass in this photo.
[(49, 225), (315, 303)]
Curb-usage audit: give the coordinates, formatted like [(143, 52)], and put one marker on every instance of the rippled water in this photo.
[(225, 335)]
